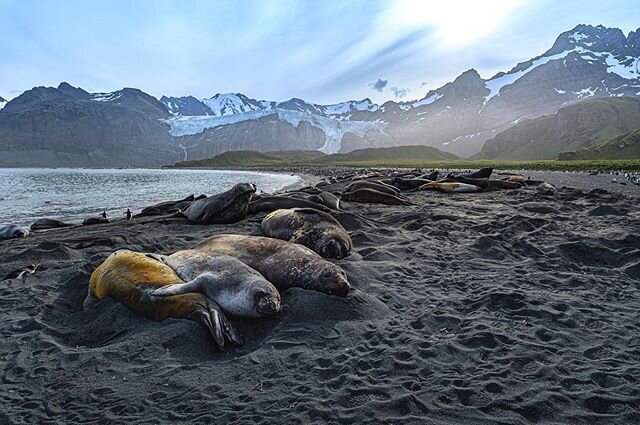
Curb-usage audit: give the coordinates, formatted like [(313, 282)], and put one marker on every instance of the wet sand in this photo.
[(506, 307)]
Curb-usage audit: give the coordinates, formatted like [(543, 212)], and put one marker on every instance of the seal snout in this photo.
[(268, 305)]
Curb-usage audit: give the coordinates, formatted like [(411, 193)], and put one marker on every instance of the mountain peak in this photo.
[(595, 38)]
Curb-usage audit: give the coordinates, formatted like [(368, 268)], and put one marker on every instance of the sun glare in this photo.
[(454, 23)]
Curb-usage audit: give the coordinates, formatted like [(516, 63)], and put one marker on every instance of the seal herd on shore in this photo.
[(243, 276)]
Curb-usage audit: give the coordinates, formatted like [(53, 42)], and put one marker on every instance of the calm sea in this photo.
[(70, 195)]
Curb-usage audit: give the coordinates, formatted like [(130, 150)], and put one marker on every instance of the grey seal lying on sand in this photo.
[(224, 208), (371, 196), (314, 229), (10, 231), (379, 186), (48, 223), (282, 263)]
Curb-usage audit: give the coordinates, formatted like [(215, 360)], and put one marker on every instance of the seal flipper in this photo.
[(194, 285), (157, 257), (204, 318), (221, 322)]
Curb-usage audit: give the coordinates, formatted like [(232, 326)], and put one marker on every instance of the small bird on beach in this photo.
[(129, 214), (104, 214)]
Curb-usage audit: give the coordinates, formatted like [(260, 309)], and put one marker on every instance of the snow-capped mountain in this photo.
[(585, 62)]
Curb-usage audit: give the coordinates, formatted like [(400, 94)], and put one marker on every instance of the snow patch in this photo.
[(3, 104), (106, 97), (427, 100), (588, 92), (559, 91), (496, 84)]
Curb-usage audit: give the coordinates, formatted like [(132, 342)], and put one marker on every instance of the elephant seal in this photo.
[(546, 188), (450, 187), (431, 176), (132, 277), (516, 178), (48, 223), (276, 202), (168, 207), (238, 289), (95, 220), (483, 173), (282, 263), (327, 199), (484, 184), (409, 184), (371, 196), (314, 229), (11, 231), (379, 186), (224, 208)]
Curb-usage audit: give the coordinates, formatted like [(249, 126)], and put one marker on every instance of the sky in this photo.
[(323, 51)]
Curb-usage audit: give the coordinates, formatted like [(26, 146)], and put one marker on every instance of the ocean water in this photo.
[(71, 195)]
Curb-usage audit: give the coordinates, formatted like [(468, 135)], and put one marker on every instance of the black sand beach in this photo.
[(507, 307)]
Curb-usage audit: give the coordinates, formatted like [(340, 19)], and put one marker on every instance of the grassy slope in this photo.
[(625, 146), (394, 157), (576, 126)]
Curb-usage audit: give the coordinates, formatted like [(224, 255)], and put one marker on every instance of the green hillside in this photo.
[(625, 146), (363, 157), (253, 159), (573, 127)]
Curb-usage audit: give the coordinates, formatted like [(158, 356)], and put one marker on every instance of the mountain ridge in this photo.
[(459, 117)]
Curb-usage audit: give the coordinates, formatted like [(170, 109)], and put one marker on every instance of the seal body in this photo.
[(238, 289), (226, 207), (131, 277), (169, 207), (282, 263), (48, 223), (276, 202), (11, 231), (314, 229), (408, 184), (454, 187), (379, 186), (95, 220), (374, 197), (546, 188)]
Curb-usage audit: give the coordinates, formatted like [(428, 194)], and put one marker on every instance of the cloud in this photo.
[(422, 84), (399, 93), (379, 85)]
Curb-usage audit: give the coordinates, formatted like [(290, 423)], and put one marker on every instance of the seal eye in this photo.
[(326, 275)]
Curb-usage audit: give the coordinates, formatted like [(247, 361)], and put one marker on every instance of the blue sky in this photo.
[(322, 51)]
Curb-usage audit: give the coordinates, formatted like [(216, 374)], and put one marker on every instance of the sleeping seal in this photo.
[(379, 186), (132, 277), (238, 289), (95, 220), (282, 263), (276, 202), (371, 196), (408, 184), (224, 208), (314, 229), (48, 223), (10, 231), (450, 187)]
